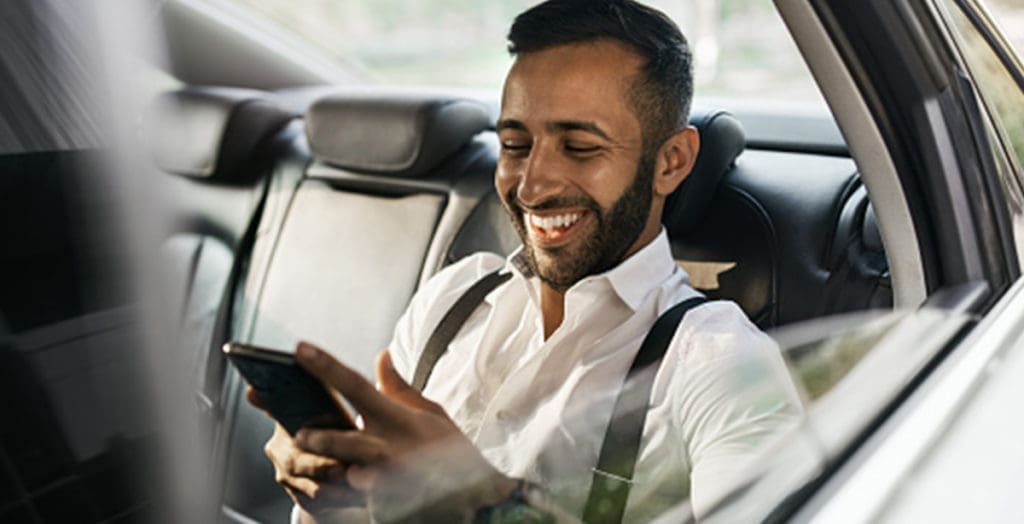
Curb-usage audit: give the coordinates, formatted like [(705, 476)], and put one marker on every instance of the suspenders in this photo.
[(450, 325), (614, 471)]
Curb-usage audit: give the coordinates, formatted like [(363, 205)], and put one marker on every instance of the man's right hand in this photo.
[(314, 482)]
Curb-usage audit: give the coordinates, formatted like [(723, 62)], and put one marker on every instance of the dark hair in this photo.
[(661, 97)]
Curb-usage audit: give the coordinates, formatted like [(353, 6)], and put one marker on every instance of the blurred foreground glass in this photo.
[(84, 427)]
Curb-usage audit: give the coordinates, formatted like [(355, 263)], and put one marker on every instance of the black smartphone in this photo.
[(293, 397)]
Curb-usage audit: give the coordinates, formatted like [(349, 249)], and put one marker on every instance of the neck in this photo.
[(552, 308), (552, 300)]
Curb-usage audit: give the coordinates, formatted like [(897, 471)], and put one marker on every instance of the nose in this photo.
[(541, 177)]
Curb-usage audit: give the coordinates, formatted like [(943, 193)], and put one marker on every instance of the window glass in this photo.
[(1003, 97), (741, 47), (848, 369)]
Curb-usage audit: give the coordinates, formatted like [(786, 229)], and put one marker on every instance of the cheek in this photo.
[(606, 185), (505, 179)]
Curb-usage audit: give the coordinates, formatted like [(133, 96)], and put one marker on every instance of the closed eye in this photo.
[(515, 147), (581, 149)]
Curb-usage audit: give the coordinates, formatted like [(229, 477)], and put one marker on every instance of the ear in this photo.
[(675, 159)]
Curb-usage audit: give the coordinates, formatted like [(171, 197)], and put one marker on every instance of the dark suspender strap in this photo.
[(614, 472), (450, 325)]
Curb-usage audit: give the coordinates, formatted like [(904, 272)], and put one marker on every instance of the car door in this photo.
[(927, 95)]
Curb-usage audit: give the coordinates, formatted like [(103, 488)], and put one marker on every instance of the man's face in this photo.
[(571, 171)]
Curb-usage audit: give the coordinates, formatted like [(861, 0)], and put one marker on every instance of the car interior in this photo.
[(306, 199), (354, 198)]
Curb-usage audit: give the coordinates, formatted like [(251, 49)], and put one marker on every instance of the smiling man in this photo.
[(520, 405)]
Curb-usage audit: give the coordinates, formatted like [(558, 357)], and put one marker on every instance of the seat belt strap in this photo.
[(451, 323), (613, 475)]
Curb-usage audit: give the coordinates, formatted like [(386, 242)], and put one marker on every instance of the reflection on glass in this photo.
[(849, 368), (821, 364), (1003, 97)]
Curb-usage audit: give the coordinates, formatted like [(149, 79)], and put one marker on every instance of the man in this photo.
[(594, 137)]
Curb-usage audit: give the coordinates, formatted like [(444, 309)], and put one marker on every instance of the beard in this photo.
[(617, 229)]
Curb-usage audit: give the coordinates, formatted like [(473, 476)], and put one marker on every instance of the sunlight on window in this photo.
[(741, 47)]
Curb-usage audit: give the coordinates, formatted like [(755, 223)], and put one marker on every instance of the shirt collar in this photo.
[(642, 272), (631, 280)]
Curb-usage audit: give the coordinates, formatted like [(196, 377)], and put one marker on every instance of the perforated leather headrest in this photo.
[(210, 132), (721, 141), (405, 135)]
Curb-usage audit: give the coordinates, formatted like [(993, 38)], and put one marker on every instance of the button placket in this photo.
[(497, 412)]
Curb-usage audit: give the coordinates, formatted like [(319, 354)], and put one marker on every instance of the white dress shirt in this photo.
[(538, 409)]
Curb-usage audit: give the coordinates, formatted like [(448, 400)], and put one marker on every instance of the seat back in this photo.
[(387, 181), (788, 237), (211, 146)]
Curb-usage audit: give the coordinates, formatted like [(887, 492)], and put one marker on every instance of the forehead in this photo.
[(586, 81)]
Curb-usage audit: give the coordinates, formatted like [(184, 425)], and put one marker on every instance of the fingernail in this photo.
[(306, 351), (301, 438)]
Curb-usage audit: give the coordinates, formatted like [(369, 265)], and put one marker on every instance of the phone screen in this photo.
[(292, 396)]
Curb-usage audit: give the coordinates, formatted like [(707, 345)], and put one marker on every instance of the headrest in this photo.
[(406, 135), (211, 132), (721, 141)]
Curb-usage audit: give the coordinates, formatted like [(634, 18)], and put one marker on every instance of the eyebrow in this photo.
[(510, 124), (561, 125), (580, 125)]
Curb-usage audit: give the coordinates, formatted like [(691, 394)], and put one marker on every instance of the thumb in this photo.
[(396, 388)]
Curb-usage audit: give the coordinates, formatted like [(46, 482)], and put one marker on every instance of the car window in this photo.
[(741, 47), (848, 369), (1002, 94)]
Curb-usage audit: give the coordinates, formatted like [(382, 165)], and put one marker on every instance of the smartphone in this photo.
[(293, 397)]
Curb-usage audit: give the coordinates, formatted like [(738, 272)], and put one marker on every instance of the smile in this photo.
[(556, 221), (554, 228)]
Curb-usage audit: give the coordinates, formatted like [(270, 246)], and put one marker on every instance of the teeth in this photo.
[(557, 221)]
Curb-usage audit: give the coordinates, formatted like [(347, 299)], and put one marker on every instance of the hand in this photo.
[(315, 483), (410, 459)]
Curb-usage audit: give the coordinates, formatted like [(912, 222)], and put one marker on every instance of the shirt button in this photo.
[(501, 414)]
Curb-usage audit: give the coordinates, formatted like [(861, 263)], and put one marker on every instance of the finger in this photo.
[(326, 497), (362, 478), (254, 398), (349, 447), (300, 485), (395, 387), (316, 467), (363, 396)]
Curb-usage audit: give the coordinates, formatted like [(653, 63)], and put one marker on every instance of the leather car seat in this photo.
[(212, 150), (787, 240), (387, 179)]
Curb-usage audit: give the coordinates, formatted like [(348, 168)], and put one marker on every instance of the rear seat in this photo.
[(389, 189), (391, 179), (779, 237), (217, 144)]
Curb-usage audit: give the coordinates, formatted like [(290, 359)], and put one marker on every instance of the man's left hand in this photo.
[(410, 459)]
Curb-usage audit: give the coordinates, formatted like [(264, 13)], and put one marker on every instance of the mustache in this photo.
[(553, 203)]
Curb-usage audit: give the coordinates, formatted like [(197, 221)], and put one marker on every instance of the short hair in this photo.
[(661, 97)]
